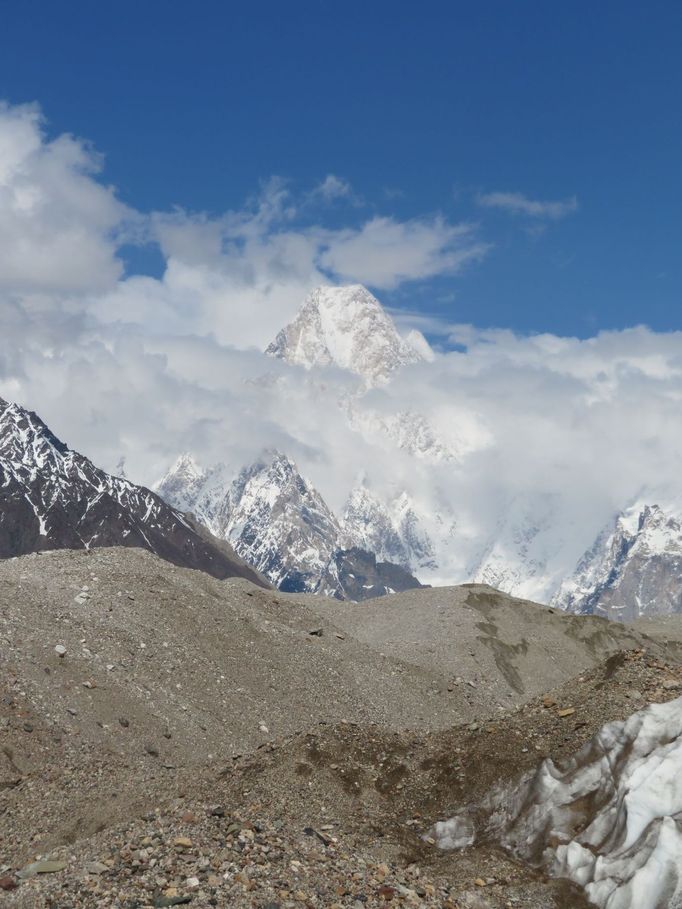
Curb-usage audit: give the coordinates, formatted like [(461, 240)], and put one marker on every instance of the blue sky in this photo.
[(422, 108)]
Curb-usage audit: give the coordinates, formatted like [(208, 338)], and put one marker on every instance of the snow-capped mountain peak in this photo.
[(346, 327), (54, 498), (634, 567), (277, 521)]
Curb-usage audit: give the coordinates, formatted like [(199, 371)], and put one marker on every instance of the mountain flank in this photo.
[(54, 498)]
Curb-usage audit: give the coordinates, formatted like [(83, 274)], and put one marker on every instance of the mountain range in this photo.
[(278, 521), (267, 520)]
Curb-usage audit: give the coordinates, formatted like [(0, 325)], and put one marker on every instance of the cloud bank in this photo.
[(142, 367)]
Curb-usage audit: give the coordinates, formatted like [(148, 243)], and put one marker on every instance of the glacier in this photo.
[(609, 818)]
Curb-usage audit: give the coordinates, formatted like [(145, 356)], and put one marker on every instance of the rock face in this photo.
[(392, 530), (355, 574), (269, 513), (633, 569), (346, 327), (278, 522), (54, 498)]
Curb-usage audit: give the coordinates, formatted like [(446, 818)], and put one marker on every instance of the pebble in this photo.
[(672, 685), (44, 867), (96, 868), (60, 650)]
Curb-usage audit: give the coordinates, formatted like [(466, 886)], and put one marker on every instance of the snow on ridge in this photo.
[(633, 568), (346, 327), (608, 819), (270, 514), (51, 476)]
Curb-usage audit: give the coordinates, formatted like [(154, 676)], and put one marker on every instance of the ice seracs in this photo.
[(609, 819), (346, 327)]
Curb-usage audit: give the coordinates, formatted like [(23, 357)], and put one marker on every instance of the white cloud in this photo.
[(517, 203), (385, 252), (332, 188), (58, 225), (242, 276)]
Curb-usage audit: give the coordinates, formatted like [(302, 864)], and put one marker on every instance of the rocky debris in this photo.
[(242, 861), (364, 745)]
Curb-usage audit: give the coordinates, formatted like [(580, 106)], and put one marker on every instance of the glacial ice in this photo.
[(609, 819)]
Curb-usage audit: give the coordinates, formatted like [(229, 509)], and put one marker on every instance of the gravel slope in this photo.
[(178, 693)]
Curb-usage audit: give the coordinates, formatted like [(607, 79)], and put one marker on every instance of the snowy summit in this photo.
[(349, 328)]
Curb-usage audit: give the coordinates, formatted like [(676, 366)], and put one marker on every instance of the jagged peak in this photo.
[(186, 463), (346, 326), (15, 413)]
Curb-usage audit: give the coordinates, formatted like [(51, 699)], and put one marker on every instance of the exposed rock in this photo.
[(54, 498)]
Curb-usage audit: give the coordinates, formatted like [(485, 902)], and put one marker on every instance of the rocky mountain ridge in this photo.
[(633, 570), (54, 498), (278, 522), (532, 550)]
